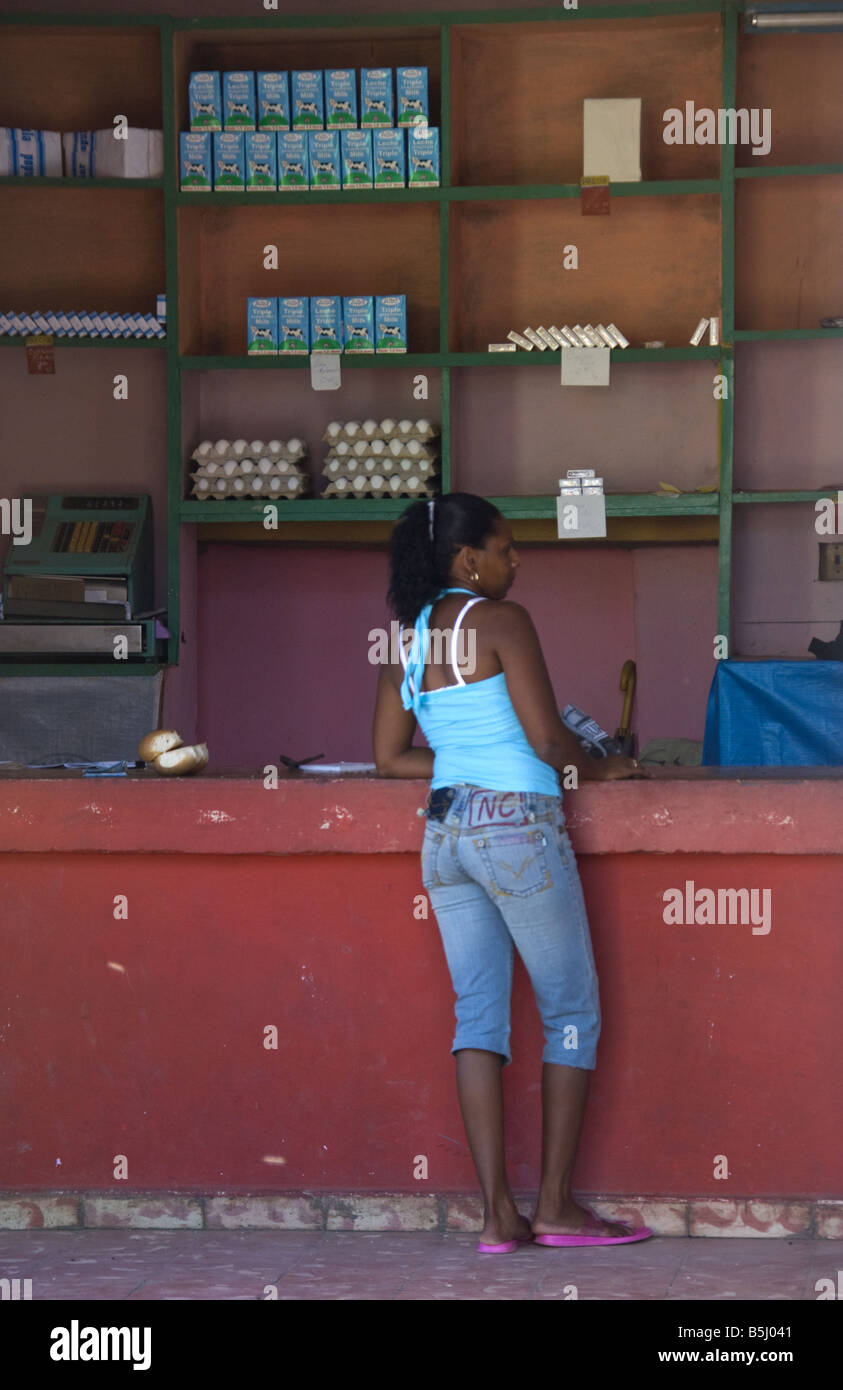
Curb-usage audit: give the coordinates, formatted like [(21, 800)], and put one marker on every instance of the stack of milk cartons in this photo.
[(288, 131), (386, 459)]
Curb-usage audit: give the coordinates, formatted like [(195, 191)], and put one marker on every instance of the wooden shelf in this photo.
[(92, 248), (799, 79), (72, 76), (371, 249), (517, 93), (707, 230), (115, 343), (628, 273), (807, 215), (13, 181), (368, 41)]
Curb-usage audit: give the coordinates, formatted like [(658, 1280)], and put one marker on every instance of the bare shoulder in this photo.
[(505, 616)]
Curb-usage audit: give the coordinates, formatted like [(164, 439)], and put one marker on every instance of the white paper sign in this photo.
[(585, 366), (325, 371)]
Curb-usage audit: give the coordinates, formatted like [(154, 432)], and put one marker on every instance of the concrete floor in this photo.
[(123, 1265)]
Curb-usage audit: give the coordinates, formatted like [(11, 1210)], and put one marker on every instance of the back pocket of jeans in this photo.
[(515, 861)]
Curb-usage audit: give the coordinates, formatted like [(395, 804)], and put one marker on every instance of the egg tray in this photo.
[(387, 450), (378, 486), (388, 468), (352, 430), (276, 486), (249, 467), (220, 450)]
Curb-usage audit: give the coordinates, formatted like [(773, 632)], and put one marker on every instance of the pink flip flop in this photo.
[(642, 1233), (505, 1249)]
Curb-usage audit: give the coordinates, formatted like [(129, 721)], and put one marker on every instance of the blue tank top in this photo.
[(473, 729)]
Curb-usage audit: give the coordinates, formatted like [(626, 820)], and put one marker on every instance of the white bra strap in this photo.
[(462, 613)]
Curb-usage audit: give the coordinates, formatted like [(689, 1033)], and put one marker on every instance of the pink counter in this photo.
[(153, 931)]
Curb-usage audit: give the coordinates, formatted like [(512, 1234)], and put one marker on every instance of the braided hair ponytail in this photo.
[(424, 542)]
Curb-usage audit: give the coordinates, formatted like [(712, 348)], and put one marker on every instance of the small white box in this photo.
[(581, 516), (612, 138)]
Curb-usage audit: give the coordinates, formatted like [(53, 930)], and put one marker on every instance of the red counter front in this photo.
[(155, 932)]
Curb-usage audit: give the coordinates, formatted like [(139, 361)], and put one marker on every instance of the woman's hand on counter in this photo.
[(613, 768)]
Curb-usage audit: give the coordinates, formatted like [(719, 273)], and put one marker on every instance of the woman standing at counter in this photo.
[(497, 862)]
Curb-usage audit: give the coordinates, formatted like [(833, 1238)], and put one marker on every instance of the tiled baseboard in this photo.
[(306, 1211)]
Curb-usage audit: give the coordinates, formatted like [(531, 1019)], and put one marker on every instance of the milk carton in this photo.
[(261, 163), (294, 326), (229, 162), (273, 104), (205, 101), (391, 323), (326, 323), (293, 160), (196, 166), (388, 158), (411, 92), (340, 98), (358, 317), (262, 327), (324, 158), (377, 107), (423, 156), (238, 100), (307, 101), (357, 169)]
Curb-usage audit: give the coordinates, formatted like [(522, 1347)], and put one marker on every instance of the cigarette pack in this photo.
[(520, 341), (697, 335), (621, 340)]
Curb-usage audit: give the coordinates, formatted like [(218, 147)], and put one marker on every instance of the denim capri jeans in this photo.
[(500, 873)]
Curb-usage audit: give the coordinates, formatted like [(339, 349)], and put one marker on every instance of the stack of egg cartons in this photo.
[(386, 459), (245, 470)]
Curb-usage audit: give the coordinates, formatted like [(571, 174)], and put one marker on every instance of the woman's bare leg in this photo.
[(480, 1090), (564, 1094)]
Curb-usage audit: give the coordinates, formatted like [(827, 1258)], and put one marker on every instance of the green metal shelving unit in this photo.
[(181, 511)]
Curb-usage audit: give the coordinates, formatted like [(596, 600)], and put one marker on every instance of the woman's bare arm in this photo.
[(392, 735), (517, 644)]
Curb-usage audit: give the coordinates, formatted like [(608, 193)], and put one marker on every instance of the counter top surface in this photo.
[(676, 810)]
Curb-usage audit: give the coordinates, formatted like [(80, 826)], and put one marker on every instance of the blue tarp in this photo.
[(775, 713)]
